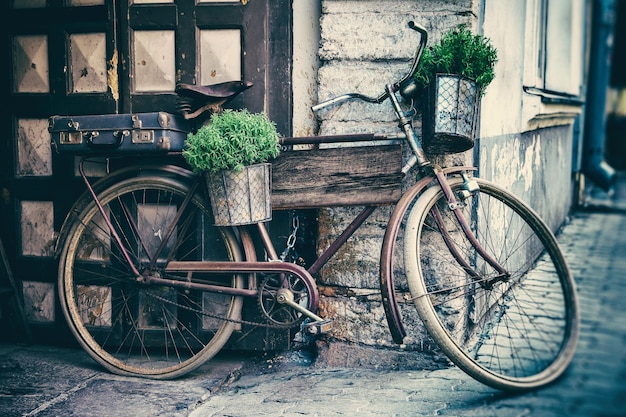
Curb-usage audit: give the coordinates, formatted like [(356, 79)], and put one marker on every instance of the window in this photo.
[(564, 46), (561, 36)]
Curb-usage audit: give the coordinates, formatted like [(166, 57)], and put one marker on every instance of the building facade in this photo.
[(114, 56)]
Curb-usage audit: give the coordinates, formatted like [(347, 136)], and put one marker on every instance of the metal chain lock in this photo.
[(291, 240)]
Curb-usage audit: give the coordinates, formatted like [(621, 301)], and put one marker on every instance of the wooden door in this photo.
[(113, 56)]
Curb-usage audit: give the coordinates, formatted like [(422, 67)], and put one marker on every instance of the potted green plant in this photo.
[(454, 74), (232, 153)]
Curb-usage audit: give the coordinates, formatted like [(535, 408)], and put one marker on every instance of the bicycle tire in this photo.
[(514, 334), (141, 330)]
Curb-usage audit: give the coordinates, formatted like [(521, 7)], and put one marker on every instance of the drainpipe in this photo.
[(594, 165)]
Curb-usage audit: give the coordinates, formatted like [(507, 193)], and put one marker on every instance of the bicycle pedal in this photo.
[(317, 327)]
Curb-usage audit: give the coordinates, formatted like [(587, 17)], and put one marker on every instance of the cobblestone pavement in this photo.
[(43, 381)]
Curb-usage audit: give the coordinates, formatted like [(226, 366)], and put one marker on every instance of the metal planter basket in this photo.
[(450, 114), (241, 197)]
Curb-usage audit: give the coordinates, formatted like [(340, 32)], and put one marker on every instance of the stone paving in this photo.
[(43, 381)]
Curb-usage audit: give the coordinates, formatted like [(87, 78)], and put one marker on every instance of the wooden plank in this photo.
[(346, 176)]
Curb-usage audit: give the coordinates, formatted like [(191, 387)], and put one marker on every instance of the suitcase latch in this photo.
[(164, 120), (143, 136), (70, 138)]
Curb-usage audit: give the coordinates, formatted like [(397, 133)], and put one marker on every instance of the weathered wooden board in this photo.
[(346, 176)]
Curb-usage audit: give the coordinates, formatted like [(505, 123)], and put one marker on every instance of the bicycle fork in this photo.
[(419, 157), (470, 187)]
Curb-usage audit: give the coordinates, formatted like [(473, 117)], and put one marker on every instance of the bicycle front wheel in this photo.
[(147, 330), (513, 331)]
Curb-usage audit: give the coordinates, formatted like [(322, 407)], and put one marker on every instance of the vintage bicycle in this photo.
[(150, 287)]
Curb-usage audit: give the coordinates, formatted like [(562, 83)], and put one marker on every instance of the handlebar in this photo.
[(398, 85)]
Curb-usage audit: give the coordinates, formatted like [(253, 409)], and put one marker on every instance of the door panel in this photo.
[(58, 55)]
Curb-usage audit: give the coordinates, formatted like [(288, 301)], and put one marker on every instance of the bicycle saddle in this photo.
[(214, 91), (207, 97)]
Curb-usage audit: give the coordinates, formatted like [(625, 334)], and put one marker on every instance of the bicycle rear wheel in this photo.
[(136, 329), (512, 333)]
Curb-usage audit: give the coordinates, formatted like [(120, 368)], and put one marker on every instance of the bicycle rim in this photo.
[(515, 333), (144, 330)]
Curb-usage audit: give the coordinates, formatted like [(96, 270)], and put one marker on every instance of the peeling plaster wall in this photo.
[(535, 166), (525, 144)]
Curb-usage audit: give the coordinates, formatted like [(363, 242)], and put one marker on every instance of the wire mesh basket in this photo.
[(241, 197), (450, 114)]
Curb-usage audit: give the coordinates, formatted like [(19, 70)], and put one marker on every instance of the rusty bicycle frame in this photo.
[(428, 175)]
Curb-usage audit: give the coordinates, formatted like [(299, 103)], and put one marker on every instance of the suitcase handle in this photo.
[(94, 138)]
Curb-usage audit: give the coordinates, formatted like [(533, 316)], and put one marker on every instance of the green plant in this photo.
[(232, 139), (459, 52)]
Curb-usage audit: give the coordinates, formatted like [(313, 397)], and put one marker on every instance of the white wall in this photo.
[(306, 35), (505, 25), (526, 142)]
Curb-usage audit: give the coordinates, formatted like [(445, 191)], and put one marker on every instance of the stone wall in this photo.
[(363, 46)]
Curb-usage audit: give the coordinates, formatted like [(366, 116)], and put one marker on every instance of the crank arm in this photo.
[(317, 326), (286, 297)]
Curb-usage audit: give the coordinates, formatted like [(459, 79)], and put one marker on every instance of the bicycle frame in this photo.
[(428, 174)]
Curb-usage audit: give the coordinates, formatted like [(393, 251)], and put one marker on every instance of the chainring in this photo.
[(282, 315)]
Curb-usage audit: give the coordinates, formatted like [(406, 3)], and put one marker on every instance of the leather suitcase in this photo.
[(118, 133)]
